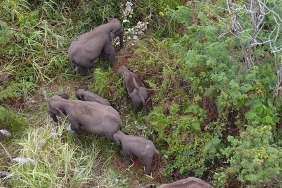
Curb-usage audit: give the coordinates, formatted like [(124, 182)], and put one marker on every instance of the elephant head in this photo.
[(85, 95), (55, 110), (117, 30), (190, 182), (94, 44), (137, 146), (135, 88), (86, 116)]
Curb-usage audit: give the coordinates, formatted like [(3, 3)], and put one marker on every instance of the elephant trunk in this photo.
[(121, 39), (118, 137)]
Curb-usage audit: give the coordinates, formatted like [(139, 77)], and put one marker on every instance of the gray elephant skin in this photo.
[(190, 182), (135, 88), (96, 43), (139, 147), (86, 116), (85, 95)]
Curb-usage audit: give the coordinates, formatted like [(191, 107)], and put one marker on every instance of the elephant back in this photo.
[(190, 182)]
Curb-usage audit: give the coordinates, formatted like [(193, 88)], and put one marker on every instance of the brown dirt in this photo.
[(136, 171), (14, 103), (208, 104)]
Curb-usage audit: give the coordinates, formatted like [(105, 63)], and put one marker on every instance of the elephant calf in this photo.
[(85, 95), (135, 88), (86, 116), (96, 43), (137, 146), (190, 182)]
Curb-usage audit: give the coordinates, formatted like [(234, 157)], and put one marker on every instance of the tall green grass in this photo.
[(60, 160)]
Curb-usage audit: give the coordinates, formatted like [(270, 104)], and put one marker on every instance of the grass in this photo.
[(61, 160), (66, 161)]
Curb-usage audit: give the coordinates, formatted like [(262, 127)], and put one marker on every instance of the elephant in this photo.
[(86, 116), (85, 95), (135, 88), (96, 43), (137, 146), (190, 182)]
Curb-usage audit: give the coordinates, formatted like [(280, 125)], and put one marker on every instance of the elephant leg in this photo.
[(134, 157), (148, 165), (82, 70), (103, 56), (109, 50), (76, 128), (127, 158), (150, 186), (53, 116)]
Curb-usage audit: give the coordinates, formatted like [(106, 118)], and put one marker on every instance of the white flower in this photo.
[(128, 11), (130, 30), (134, 37), (24, 160), (129, 4), (5, 132)]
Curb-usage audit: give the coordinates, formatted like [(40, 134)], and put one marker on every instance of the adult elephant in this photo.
[(190, 182), (87, 116), (96, 43)]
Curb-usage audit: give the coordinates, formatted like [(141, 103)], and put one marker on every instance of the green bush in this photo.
[(254, 158), (180, 136), (219, 66), (12, 122)]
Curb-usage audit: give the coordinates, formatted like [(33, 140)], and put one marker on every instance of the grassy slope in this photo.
[(115, 172), (36, 67)]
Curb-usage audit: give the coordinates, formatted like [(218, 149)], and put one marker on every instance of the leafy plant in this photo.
[(10, 121), (254, 157), (226, 65)]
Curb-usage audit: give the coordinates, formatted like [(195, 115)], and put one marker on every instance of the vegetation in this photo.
[(213, 72)]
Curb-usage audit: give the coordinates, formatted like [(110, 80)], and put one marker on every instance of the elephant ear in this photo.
[(113, 35), (107, 20), (64, 96), (62, 112)]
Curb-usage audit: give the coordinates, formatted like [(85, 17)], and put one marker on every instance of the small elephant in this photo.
[(96, 43), (85, 95), (86, 116), (135, 88), (137, 146), (190, 182)]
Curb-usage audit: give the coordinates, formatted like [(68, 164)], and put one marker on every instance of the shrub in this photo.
[(228, 66)]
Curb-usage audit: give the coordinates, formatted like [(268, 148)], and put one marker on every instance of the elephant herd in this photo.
[(93, 114)]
